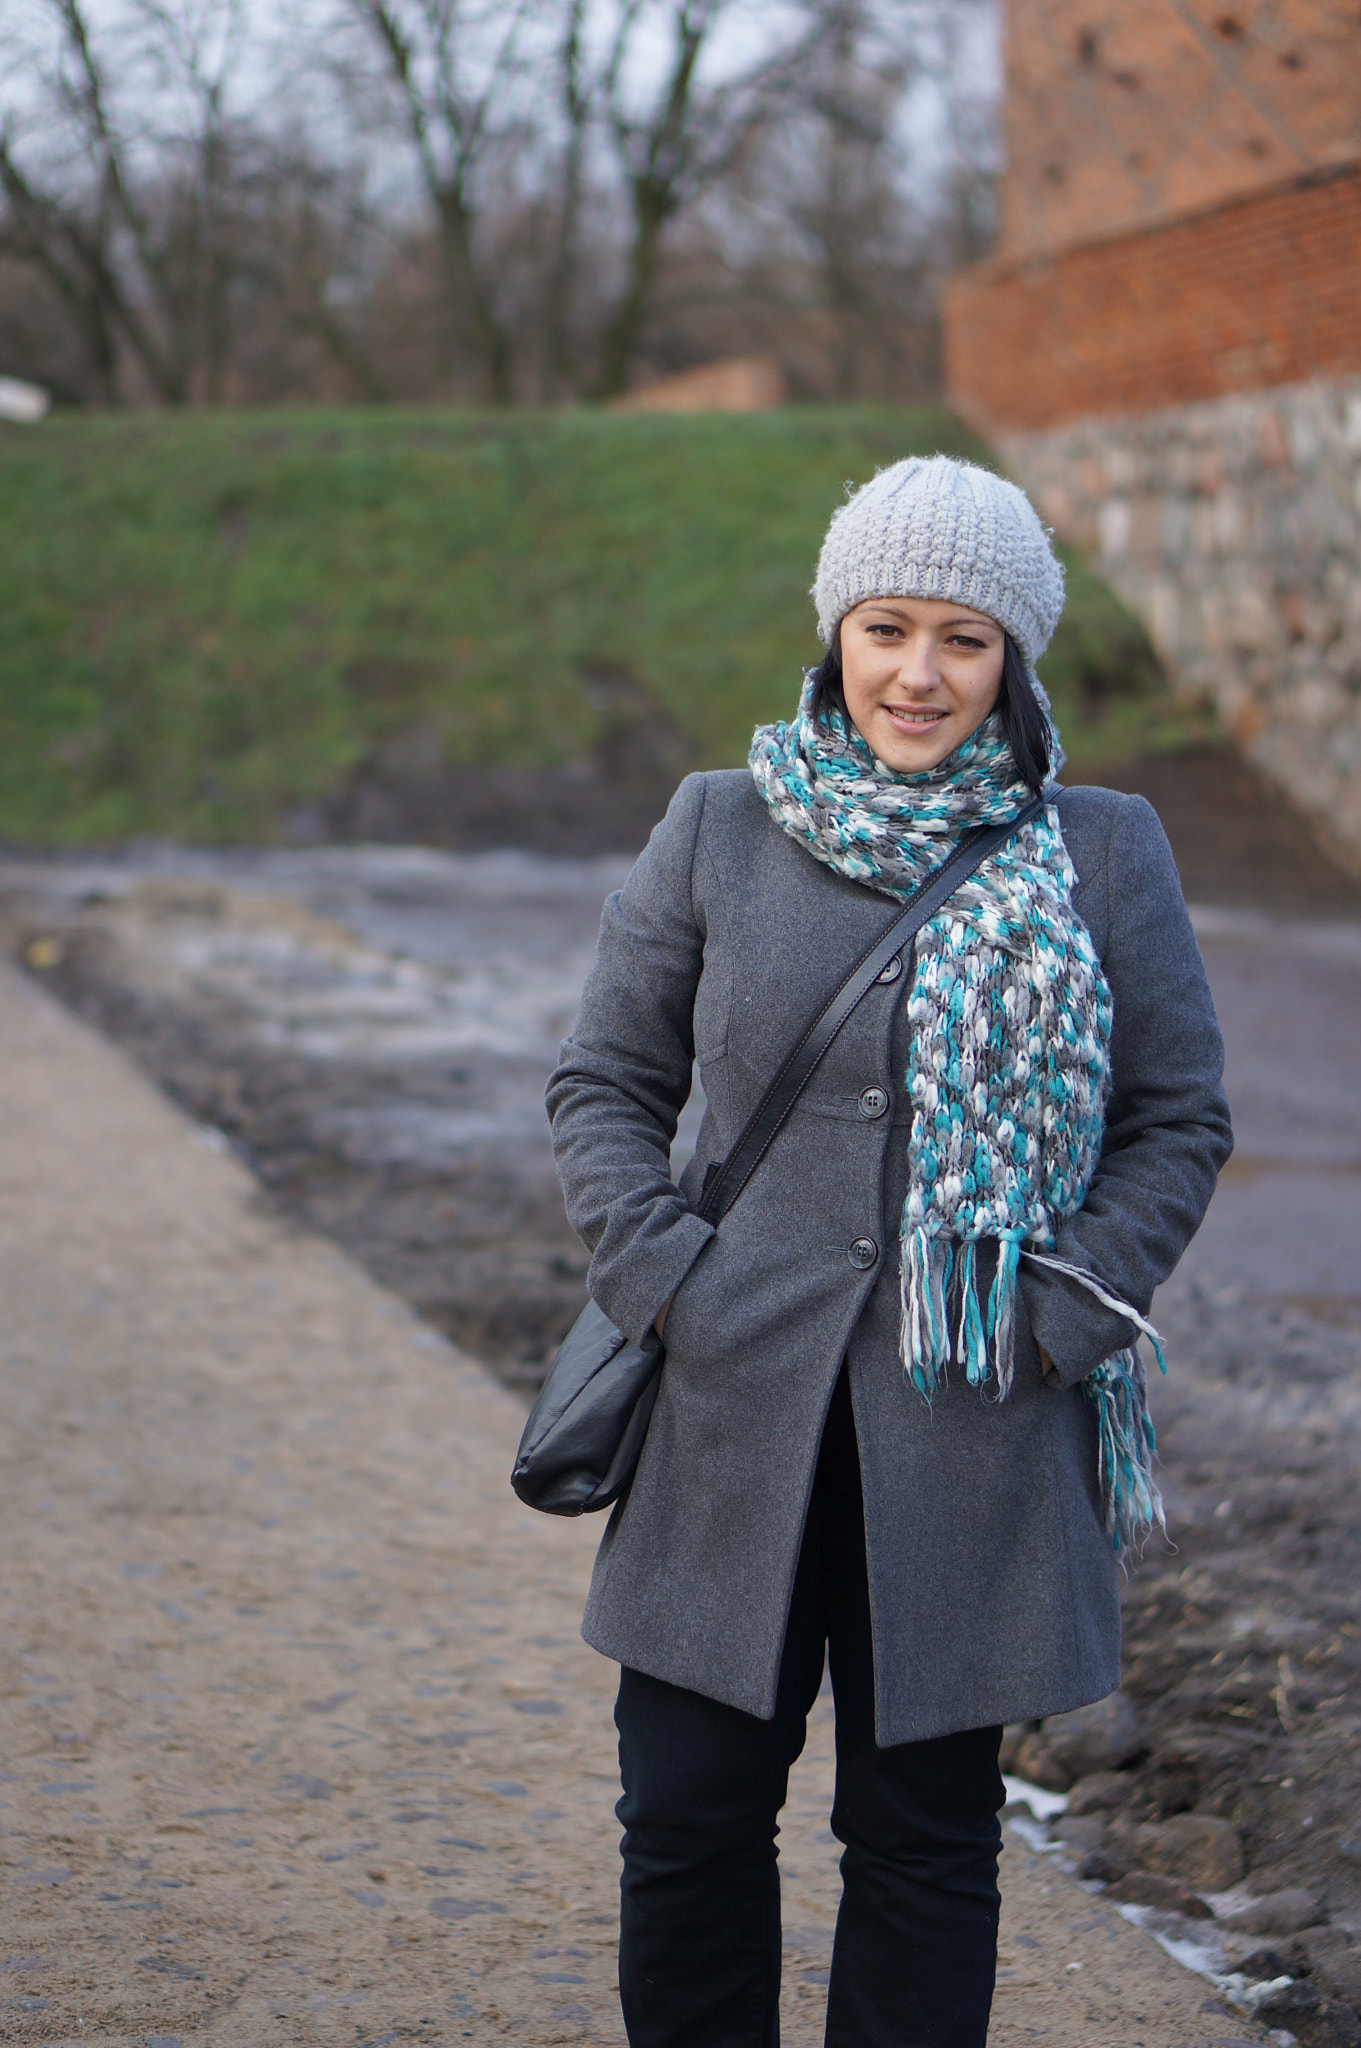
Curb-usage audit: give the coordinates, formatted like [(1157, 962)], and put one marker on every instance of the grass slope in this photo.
[(207, 619)]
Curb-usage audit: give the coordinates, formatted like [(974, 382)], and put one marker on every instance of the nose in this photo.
[(919, 665)]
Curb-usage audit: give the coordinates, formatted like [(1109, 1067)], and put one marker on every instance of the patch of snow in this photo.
[(1044, 1805)]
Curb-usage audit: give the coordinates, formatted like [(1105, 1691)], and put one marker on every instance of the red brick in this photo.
[(1126, 113), (1261, 290)]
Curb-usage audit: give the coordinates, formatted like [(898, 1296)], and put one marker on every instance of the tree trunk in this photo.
[(319, 320), (652, 208), (558, 369), (468, 296)]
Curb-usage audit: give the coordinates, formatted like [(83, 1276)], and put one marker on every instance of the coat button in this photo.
[(893, 970), (873, 1102), (863, 1253)]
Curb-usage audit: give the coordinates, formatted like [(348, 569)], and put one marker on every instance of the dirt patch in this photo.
[(481, 1249), (387, 1089), (1237, 839), (606, 802), (1243, 1633)]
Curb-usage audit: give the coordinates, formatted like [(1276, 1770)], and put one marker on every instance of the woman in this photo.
[(901, 1417)]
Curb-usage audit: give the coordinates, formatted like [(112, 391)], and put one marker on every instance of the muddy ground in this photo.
[(370, 1030)]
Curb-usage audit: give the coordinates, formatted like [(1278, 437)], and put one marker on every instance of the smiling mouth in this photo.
[(920, 719)]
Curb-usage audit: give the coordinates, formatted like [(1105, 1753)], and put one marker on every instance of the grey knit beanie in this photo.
[(934, 527)]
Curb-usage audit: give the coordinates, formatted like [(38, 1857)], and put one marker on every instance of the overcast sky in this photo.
[(283, 74)]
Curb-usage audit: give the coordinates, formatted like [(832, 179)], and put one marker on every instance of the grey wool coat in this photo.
[(993, 1587)]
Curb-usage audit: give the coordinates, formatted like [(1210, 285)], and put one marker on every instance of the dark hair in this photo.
[(1023, 723)]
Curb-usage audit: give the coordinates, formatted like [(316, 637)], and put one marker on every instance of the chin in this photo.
[(907, 758)]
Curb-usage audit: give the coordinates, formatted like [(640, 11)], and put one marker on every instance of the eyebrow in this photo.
[(886, 604)]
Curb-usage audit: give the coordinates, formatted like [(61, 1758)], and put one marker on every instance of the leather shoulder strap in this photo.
[(724, 1183)]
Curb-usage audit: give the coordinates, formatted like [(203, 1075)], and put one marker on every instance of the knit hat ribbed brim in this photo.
[(933, 527)]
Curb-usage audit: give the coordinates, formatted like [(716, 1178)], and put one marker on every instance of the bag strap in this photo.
[(724, 1182)]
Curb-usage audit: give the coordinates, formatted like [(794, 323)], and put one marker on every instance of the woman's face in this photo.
[(920, 675)]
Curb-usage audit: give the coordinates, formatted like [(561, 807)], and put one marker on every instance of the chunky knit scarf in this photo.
[(1009, 1064)]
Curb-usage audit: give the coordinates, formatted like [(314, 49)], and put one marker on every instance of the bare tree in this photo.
[(681, 141), (118, 178), (846, 203), (576, 96), (826, 236), (70, 249), (454, 68), (311, 283), (971, 156), (582, 188)]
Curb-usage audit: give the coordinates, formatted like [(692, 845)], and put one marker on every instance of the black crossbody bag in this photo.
[(585, 1432)]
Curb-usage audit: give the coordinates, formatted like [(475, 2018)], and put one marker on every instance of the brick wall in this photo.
[(1167, 346), (1265, 290), (1122, 113)]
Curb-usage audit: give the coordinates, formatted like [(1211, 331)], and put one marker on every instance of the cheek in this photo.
[(978, 688), (852, 689), (861, 675)]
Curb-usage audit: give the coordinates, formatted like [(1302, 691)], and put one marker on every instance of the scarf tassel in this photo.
[(1116, 1390), (1002, 1312), (1126, 1448), (925, 1324), (927, 1269), (971, 1351)]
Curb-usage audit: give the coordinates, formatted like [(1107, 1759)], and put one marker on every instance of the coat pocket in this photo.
[(692, 1309)]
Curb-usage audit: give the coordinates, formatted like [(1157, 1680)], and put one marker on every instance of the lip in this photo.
[(921, 721)]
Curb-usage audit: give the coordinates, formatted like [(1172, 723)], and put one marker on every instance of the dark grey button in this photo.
[(863, 1253), (873, 1101), (893, 970)]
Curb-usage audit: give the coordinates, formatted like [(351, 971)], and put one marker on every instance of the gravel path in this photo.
[(299, 1741)]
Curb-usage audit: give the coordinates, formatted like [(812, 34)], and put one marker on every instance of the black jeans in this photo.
[(916, 1937)]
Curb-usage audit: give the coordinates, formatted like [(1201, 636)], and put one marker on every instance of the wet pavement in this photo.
[(1284, 1229)]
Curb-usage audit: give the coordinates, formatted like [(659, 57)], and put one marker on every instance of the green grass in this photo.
[(205, 620)]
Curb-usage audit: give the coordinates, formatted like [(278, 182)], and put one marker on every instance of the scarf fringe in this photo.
[(1116, 1390), (972, 1348), (1126, 1448), (925, 1323), (926, 1271), (1002, 1313)]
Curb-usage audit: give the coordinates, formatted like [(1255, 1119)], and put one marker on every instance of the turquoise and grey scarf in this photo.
[(1009, 1067)]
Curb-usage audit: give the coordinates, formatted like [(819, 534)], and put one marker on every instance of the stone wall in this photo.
[(1233, 528)]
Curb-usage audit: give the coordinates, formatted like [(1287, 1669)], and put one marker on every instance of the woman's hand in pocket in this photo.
[(659, 1320)]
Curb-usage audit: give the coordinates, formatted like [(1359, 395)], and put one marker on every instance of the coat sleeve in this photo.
[(1167, 1121), (624, 1075)]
